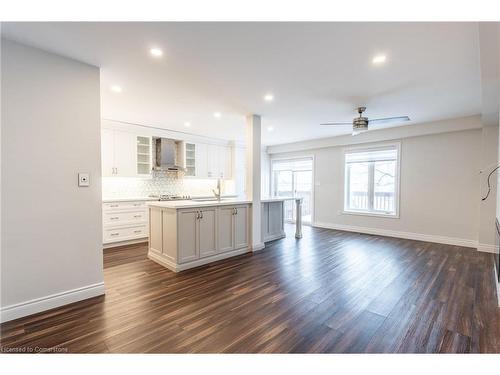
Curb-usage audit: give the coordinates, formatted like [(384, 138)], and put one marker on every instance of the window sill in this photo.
[(374, 214)]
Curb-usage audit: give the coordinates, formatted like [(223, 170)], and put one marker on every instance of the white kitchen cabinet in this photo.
[(233, 227), (201, 162), (107, 153), (124, 222), (188, 229), (210, 160), (125, 154)]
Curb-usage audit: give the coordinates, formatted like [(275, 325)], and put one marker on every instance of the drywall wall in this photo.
[(439, 198), (51, 228)]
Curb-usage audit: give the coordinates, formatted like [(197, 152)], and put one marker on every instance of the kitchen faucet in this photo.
[(217, 192)]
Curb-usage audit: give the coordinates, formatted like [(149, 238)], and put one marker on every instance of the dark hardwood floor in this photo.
[(331, 291)]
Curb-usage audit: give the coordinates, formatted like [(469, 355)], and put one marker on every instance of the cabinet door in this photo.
[(228, 162), (107, 152), (226, 228), (207, 233), (125, 154), (241, 227), (213, 157), (187, 232), (201, 160)]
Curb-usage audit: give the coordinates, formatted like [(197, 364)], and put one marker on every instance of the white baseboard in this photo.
[(37, 305), (487, 248), (172, 266), (258, 247), (497, 284), (110, 245), (406, 235)]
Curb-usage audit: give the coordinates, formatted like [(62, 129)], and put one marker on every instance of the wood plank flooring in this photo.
[(331, 291)]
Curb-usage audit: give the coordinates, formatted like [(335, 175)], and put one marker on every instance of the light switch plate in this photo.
[(83, 179)]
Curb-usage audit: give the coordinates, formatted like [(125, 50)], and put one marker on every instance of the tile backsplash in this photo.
[(161, 183)]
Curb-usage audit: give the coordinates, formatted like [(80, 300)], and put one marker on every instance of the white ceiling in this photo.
[(318, 72)]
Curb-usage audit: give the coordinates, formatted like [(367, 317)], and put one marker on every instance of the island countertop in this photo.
[(209, 203)]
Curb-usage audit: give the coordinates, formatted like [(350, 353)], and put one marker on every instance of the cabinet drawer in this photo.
[(124, 217), (124, 234), (112, 206)]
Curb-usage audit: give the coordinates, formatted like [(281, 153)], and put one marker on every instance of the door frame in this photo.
[(313, 182)]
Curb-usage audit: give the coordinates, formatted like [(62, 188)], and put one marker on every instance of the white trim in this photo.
[(110, 245), (369, 213), (497, 284), (406, 235), (486, 248), (258, 247), (37, 305), (172, 266)]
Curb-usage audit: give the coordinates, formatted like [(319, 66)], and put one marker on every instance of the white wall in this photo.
[(439, 198), (51, 228)]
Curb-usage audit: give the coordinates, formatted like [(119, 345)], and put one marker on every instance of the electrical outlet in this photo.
[(83, 179)]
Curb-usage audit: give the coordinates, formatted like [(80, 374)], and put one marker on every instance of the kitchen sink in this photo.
[(208, 199)]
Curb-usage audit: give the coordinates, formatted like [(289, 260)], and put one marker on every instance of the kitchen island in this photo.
[(189, 233)]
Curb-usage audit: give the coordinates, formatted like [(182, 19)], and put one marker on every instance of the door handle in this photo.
[(201, 214), (197, 215)]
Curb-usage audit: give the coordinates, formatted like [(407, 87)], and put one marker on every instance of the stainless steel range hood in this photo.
[(168, 155)]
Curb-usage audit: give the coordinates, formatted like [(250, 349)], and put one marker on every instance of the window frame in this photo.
[(397, 190)]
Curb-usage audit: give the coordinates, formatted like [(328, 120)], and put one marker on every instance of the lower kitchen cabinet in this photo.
[(197, 234), (207, 232), (272, 216), (124, 222), (187, 231), (233, 227), (186, 238)]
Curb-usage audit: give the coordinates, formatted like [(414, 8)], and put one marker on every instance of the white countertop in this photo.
[(192, 203), (128, 199), (210, 203)]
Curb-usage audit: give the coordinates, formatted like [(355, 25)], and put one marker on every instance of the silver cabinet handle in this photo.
[(137, 215), (113, 205), (114, 218), (197, 215), (137, 231), (115, 234)]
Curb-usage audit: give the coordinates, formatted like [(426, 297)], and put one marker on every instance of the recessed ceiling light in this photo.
[(379, 59), (187, 124), (270, 128), (156, 52), (217, 114), (116, 88), (269, 97)]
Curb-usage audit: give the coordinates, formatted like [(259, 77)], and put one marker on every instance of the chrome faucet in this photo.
[(217, 192)]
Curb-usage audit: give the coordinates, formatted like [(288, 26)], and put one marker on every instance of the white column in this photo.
[(253, 178)]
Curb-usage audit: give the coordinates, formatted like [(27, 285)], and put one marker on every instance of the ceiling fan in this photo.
[(360, 124)]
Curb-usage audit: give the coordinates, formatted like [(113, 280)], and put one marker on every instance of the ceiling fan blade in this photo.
[(337, 123), (388, 120)]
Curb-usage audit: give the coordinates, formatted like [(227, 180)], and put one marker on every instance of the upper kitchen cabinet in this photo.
[(208, 160), (125, 154)]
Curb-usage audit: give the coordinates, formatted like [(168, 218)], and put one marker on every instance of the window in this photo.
[(372, 181), (294, 178)]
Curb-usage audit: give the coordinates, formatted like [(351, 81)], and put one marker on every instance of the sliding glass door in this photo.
[(294, 178)]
